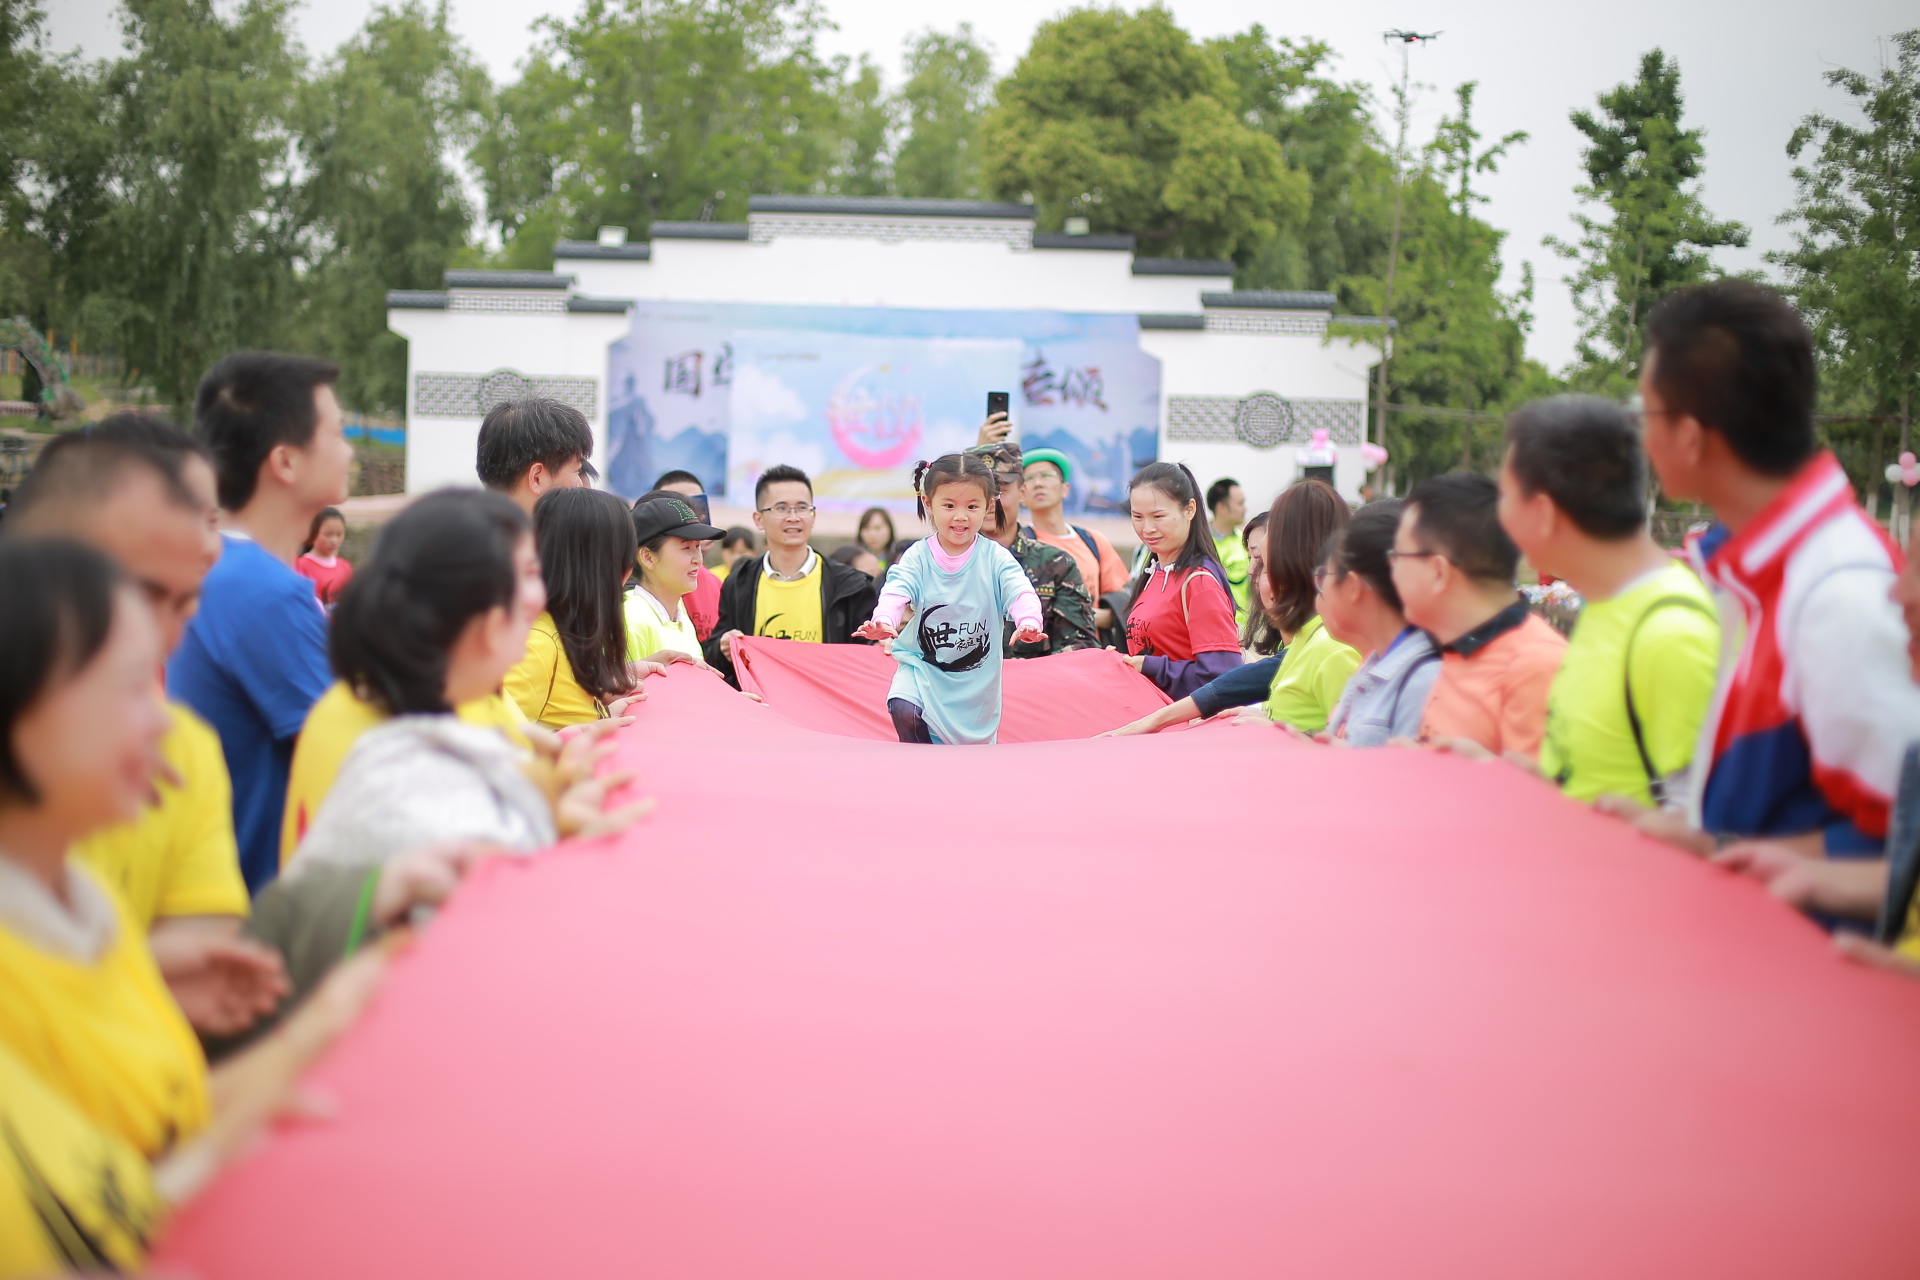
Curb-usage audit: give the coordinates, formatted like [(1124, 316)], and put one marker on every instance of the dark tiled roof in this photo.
[(1181, 267), (698, 231), (594, 249), (417, 299), (888, 208), (1269, 300), (506, 280), (1162, 321), (613, 306), (1056, 240)]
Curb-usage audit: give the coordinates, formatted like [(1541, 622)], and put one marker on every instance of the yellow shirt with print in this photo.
[(73, 1197), (178, 858), (543, 686), (790, 610), (334, 724), (106, 1035), (1313, 674), (1589, 745)]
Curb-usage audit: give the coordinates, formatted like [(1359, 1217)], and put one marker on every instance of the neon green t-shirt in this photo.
[(1311, 678), (1235, 560), (1589, 746), (649, 630)]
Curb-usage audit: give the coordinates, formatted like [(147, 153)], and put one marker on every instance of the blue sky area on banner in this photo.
[(855, 396)]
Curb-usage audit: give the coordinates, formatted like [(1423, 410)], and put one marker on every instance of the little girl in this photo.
[(320, 558), (960, 585)]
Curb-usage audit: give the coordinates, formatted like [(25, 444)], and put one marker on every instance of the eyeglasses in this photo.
[(1397, 554), (786, 509)]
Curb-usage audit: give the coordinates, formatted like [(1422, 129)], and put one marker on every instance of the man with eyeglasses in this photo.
[(792, 592), (1454, 566), (1066, 612)]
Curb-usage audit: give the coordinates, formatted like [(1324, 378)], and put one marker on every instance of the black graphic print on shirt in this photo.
[(966, 643)]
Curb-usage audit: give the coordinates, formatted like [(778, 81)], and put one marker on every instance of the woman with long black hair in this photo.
[(576, 663), (1181, 631)]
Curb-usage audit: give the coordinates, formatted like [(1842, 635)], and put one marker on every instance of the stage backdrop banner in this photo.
[(842, 391), (1203, 1004), (856, 413)]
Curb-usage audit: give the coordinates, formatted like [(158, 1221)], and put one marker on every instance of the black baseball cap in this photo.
[(657, 516)]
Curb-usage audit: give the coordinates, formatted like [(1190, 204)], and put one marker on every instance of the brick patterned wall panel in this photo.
[(1263, 420), (446, 395), (512, 302), (1282, 323), (473, 395), (762, 230)]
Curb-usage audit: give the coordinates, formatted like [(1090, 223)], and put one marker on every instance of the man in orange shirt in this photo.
[(1454, 568)]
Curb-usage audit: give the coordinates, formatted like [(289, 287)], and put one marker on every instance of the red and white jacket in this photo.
[(1816, 702)]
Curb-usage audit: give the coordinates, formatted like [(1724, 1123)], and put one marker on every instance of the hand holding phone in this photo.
[(999, 425)]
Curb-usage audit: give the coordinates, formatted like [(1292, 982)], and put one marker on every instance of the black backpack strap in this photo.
[(1400, 689), (1092, 546), (1656, 785)]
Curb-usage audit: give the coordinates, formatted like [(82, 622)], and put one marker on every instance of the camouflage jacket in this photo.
[(1066, 614)]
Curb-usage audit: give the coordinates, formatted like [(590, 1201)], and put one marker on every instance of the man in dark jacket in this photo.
[(792, 592)]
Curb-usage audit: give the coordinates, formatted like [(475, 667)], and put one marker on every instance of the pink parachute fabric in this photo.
[(1211, 1003)]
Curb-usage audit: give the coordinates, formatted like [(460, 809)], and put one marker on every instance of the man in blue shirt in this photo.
[(254, 658)]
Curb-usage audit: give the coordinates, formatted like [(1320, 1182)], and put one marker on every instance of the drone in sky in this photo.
[(1411, 37)]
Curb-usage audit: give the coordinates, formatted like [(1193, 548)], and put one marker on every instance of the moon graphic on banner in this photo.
[(876, 419)]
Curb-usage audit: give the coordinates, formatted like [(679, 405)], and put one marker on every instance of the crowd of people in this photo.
[(202, 874)]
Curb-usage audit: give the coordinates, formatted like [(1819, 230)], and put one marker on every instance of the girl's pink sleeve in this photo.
[(892, 606), (1025, 610)]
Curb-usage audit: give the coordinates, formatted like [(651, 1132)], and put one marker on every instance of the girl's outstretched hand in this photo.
[(875, 629), (1029, 635)]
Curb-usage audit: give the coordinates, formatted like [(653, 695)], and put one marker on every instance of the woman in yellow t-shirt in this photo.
[(576, 664), (87, 1021)]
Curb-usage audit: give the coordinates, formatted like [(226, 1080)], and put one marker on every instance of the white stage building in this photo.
[(1250, 384)]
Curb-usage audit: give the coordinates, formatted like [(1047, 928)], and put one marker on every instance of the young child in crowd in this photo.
[(672, 538), (1181, 628), (435, 622), (575, 668), (320, 559), (1386, 698), (959, 585)]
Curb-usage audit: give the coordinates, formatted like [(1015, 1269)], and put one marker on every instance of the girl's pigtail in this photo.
[(919, 497)]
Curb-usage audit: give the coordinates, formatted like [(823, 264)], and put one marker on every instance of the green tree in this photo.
[(949, 84), (170, 219), (1122, 119), (865, 165), (1656, 235), (1326, 131), (34, 95), (669, 109), (382, 205), (1855, 265), (1460, 342)]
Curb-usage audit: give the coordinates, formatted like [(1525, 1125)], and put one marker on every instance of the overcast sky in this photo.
[(1750, 71)]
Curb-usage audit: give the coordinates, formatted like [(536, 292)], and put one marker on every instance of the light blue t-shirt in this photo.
[(949, 653), (253, 662)]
